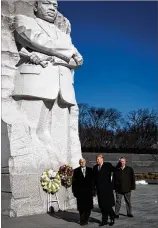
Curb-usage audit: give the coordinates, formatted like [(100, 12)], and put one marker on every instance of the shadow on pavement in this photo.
[(67, 216), (96, 210), (122, 214), (71, 217), (94, 220)]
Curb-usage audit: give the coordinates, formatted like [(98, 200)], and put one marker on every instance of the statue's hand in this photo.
[(73, 63), (37, 58), (79, 61)]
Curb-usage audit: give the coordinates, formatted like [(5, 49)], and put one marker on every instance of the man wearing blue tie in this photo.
[(82, 188)]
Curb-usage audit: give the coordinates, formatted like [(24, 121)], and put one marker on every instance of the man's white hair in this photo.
[(82, 159), (122, 158)]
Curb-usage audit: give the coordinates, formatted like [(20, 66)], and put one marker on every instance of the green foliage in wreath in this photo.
[(50, 181)]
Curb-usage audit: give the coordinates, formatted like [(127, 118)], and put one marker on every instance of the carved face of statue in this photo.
[(46, 10)]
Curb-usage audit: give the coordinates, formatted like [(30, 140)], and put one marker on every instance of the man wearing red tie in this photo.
[(102, 181)]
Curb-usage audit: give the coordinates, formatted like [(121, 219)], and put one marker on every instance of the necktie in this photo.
[(99, 167), (84, 172)]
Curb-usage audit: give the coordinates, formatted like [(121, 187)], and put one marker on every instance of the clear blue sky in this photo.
[(118, 41)]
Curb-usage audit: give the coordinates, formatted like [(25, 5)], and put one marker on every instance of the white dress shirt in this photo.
[(83, 171)]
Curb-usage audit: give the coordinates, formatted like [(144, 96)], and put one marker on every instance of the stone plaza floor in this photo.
[(145, 211)]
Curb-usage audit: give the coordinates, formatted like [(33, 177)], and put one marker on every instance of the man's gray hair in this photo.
[(82, 159)]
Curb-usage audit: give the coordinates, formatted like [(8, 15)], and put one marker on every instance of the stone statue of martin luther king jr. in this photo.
[(46, 69)]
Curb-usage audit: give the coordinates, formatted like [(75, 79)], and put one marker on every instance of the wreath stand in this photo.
[(67, 194), (49, 201), (67, 198)]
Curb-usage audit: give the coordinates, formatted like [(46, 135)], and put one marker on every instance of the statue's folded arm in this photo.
[(77, 56), (36, 39)]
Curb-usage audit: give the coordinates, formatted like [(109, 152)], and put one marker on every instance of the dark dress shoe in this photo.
[(112, 221), (130, 215), (83, 223), (116, 216), (103, 223)]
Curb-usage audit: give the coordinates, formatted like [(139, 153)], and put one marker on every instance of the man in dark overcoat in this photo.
[(82, 188), (124, 183), (102, 172)]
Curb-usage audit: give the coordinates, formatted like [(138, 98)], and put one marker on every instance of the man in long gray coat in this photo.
[(124, 183)]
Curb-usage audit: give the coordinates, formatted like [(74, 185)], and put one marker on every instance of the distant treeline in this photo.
[(107, 130), (119, 151)]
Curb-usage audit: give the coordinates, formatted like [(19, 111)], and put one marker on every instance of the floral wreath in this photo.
[(50, 181), (66, 173)]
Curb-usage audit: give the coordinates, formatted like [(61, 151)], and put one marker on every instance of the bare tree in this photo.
[(100, 127), (142, 126), (97, 125)]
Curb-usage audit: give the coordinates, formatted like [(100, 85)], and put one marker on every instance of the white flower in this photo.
[(50, 173), (54, 174), (43, 176)]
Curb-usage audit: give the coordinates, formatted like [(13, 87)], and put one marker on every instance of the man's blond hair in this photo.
[(122, 158), (100, 155)]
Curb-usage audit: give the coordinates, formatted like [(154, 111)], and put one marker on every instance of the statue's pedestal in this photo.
[(22, 193)]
